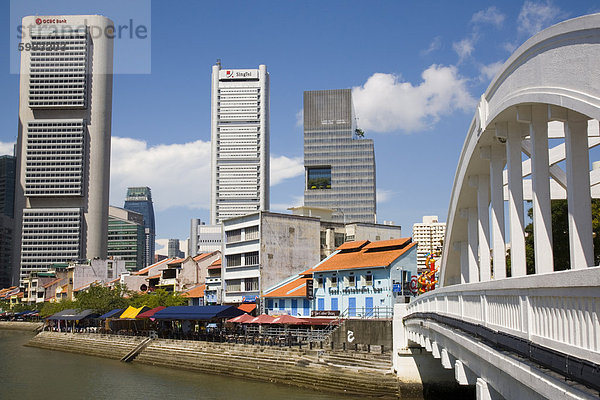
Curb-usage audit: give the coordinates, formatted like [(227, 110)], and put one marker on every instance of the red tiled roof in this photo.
[(353, 245), (195, 292), (52, 283), (148, 268), (154, 276), (247, 307), (176, 261), (375, 256), (202, 256), (387, 243), (295, 288), (215, 264)]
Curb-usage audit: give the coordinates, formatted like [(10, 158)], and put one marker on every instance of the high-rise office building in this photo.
[(7, 222), (139, 199), (339, 165), (240, 142), (173, 249), (430, 238), (204, 238), (126, 237), (63, 147)]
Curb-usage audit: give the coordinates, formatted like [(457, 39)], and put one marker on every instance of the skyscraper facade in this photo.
[(63, 147), (126, 237), (139, 199), (204, 238), (339, 165), (430, 238), (7, 222), (240, 142)]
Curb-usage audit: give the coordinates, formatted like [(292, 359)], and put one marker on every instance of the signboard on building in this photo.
[(309, 289), (325, 313), (237, 74)]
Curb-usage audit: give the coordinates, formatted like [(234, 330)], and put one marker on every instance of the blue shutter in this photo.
[(294, 307), (306, 307), (334, 304), (352, 306), (321, 304)]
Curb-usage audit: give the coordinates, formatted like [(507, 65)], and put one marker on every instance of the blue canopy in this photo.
[(198, 312), (116, 313)]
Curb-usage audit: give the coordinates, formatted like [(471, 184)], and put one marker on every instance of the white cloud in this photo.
[(384, 196), (283, 168), (300, 117), (386, 103), (296, 201), (490, 15), (534, 17), (6, 148), (178, 174), (433, 46), (464, 48), (509, 47), (490, 70)]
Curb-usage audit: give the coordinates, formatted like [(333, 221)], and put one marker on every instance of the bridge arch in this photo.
[(548, 89)]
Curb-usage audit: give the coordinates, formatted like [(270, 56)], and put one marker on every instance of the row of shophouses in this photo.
[(270, 261)]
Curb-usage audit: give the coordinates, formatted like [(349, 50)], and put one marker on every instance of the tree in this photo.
[(50, 308), (102, 299), (157, 298)]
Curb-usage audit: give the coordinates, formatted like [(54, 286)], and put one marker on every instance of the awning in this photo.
[(198, 312), (112, 313), (150, 313), (73, 315), (247, 307), (132, 312)]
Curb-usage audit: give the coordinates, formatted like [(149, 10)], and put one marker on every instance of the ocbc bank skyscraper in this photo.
[(63, 147), (240, 142)]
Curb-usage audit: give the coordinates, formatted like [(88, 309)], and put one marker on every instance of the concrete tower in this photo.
[(63, 147), (240, 142)]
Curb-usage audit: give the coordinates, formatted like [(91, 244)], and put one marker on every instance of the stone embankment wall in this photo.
[(20, 325), (358, 374)]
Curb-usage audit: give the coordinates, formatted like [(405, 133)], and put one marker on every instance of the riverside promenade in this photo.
[(351, 373), (21, 325)]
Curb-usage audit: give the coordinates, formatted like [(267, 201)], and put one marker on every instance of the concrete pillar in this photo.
[(472, 238), (497, 161), (462, 248), (537, 117), (463, 375), (512, 134), (445, 359), (578, 191), (435, 350), (482, 183), (427, 344)]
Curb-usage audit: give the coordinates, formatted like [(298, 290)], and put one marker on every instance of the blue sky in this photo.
[(416, 68)]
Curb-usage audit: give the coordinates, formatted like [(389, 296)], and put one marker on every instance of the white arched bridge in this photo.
[(514, 333)]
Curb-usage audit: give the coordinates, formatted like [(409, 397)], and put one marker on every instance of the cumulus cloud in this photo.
[(386, 103), (535, 16), (384, 196), (464, 48), (6, 148), (490, 70), (283, 168), (509, 47), (433, 46), (300, 118), (490, 15), (179, 174)]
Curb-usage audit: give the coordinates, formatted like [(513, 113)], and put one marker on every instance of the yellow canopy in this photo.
[(131, 312)]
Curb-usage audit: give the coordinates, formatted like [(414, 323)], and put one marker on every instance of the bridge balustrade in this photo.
[(559, 310)]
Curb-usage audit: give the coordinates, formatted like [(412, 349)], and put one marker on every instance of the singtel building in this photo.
[(240, 142), (63, 147)]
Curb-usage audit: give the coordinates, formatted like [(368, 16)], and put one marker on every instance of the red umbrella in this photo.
[(288, 320), (241, 318), (261, 319)]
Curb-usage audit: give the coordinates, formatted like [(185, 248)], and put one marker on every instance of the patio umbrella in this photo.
[(241, 319), (261, 319), (288, 320)]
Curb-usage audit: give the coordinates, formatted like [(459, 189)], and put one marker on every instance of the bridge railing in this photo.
[(559, 310)]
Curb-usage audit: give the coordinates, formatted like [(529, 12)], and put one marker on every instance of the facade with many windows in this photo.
[(139, 199), (262, 248), (430, 237), (126, 239), (240, 142), (340, 165), (63, 147)]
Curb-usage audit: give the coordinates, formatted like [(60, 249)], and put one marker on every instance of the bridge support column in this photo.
[(484, 392), (472, 238), (537, 118), (578, 191), (497, 161), (482, 183), (462, 247), (435, 350), (512, 134)]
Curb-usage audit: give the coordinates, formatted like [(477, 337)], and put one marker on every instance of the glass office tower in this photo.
[(339, 165), (139, 199)]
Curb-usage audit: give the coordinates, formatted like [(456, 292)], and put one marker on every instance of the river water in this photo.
[(32, 373)]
